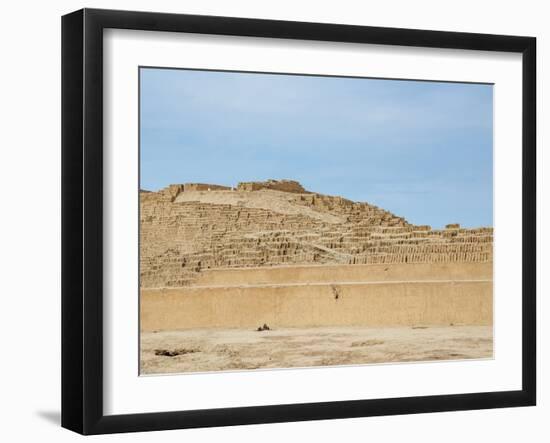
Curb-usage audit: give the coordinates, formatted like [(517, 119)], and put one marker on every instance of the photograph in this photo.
[(297, 220)]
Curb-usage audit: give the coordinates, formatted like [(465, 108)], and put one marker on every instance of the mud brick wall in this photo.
[(278, 185), (440, 303), (181, 239), (203, 187)]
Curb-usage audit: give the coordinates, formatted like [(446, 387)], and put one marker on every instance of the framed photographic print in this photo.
[(269, 221)]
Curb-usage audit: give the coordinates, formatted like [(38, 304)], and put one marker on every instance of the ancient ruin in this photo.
[(270, 275), (193, 227)]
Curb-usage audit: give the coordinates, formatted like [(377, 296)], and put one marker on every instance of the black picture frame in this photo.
[(82, 218)]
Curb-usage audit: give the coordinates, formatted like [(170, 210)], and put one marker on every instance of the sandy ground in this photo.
[(201, 350)]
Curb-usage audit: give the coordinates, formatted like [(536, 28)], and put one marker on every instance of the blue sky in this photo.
[(422, 150)]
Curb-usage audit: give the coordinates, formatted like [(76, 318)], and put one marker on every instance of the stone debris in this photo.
[(175, 352)]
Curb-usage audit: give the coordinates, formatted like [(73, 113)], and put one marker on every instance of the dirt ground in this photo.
[(202, 350)]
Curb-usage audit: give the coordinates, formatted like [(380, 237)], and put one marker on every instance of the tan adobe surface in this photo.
[(190, 228)]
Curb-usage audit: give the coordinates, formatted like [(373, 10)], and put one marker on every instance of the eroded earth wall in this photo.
[(188, 229)]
